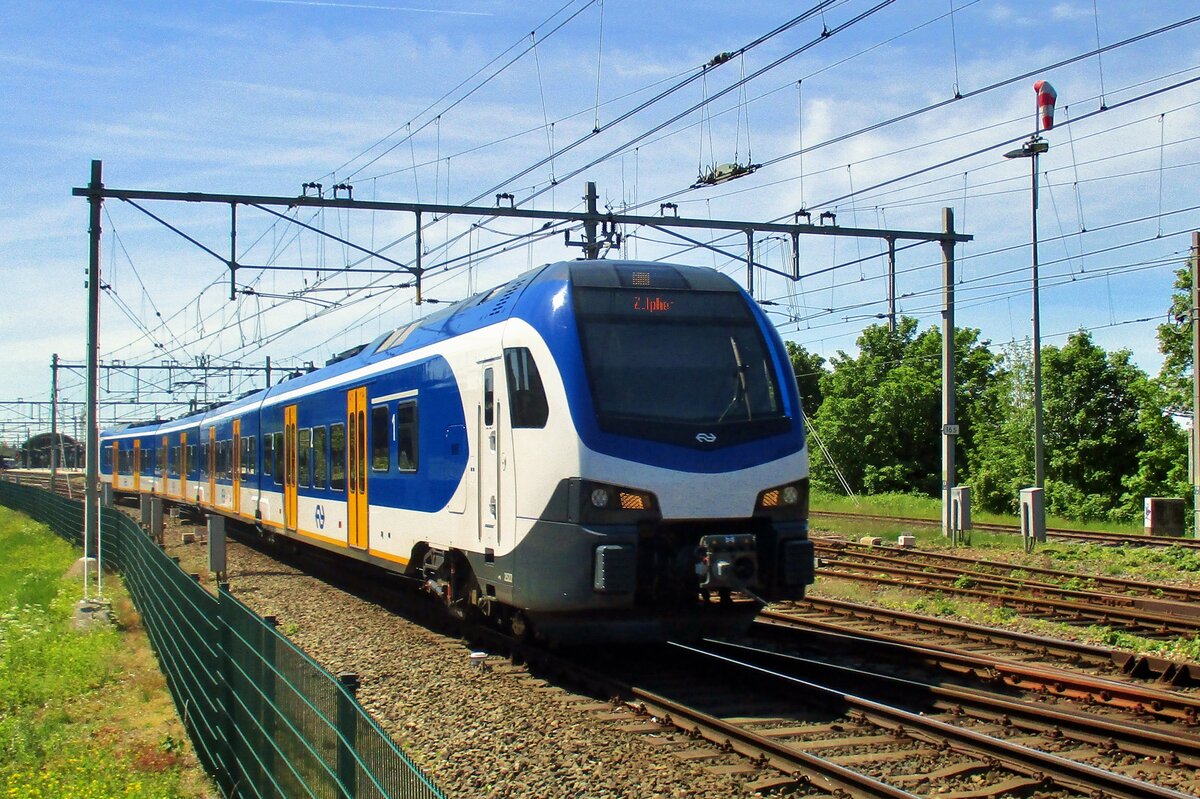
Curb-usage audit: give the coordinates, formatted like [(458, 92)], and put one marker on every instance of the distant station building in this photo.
[(34, 453)]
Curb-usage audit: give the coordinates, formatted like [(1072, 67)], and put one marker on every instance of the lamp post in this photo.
[(1031, 149)]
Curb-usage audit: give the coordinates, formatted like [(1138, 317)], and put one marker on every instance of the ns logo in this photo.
[(706, 438)]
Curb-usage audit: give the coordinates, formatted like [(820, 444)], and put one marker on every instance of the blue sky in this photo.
[(259, 96)]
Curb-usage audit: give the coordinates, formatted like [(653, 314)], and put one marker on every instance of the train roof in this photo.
[(478, 311)]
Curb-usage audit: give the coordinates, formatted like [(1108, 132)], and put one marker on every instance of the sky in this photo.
[(850, 110)]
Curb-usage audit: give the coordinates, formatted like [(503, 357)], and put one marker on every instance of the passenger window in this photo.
[(526, 397), (337, 457), (381, 439), (304, 457), (319, 457), (267, 451), (489, 398), (278, 458), (190, 455), (407, 438)]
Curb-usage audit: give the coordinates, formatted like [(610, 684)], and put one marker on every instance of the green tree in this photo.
[(1175, 342), (881, 414), (1000, 463), (1109, 440), (808, 368)]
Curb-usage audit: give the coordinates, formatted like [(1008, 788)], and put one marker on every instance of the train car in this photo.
[(595, 450), (128, 458)]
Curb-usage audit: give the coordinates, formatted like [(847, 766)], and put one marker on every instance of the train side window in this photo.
[(279, 459), (267, 454), (304, 457), (407, 436), (337, 457), (249, 459), (381, 439), (189, 464), (489, 399), (526, 396), (320, 460), (173, 462)]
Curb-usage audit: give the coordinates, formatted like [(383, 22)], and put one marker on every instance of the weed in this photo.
[(62, 690)]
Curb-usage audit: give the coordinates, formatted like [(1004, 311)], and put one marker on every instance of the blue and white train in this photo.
[(594, 450)]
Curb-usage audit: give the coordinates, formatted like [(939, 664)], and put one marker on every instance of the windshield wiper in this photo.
[(740, 390)]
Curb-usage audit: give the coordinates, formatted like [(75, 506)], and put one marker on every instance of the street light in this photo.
[(1044, 120)]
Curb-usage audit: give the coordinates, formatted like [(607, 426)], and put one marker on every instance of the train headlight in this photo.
[(600, 503), (788, 501)]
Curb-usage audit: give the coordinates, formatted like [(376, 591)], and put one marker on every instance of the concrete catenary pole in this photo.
[(1195, 382), (949, 428), (54, 423), (91, 513)]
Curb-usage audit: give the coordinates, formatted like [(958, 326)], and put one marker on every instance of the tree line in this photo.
[(1111, 437)]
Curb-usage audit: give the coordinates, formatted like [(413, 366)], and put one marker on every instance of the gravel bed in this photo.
[(488, 733)]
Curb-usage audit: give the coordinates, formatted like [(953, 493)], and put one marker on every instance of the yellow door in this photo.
[(163, 464), (116, 465), (237, 465), (183, 465), (289, 467), (212, 466), (356, 466), (137, 465)]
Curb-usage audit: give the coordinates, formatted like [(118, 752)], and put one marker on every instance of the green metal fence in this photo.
[(266, 720)]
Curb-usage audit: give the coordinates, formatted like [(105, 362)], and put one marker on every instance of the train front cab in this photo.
[(693, 486)]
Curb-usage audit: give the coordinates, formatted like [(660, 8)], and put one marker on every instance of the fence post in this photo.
[(347, 725), (225, 700), (269, 710)]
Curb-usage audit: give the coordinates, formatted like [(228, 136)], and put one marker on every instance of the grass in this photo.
[(921, 507), (935, 603), (83, 715), (1145, 564)]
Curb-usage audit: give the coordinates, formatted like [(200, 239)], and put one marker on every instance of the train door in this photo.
[(183, 466), (290, 464), (116, 465), (356, 467), (487, 444), (212, 466), (164, 463), (237, 465), (137, 465)]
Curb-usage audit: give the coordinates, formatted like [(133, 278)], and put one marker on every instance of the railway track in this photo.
[(1150, 617), (951, 635), (828, 728), (1035, 680), (830, 736), (1061, 533)]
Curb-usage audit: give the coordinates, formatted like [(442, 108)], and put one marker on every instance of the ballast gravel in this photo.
[(485, 733)]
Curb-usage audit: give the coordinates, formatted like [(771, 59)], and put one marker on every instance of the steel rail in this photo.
[(1153, 623), (1135, 665), (1067, 773), (1182, 592), (950, 574), (1057, 682), (1054, 532)]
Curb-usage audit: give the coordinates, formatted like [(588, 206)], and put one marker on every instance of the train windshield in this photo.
[(680, 366)]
